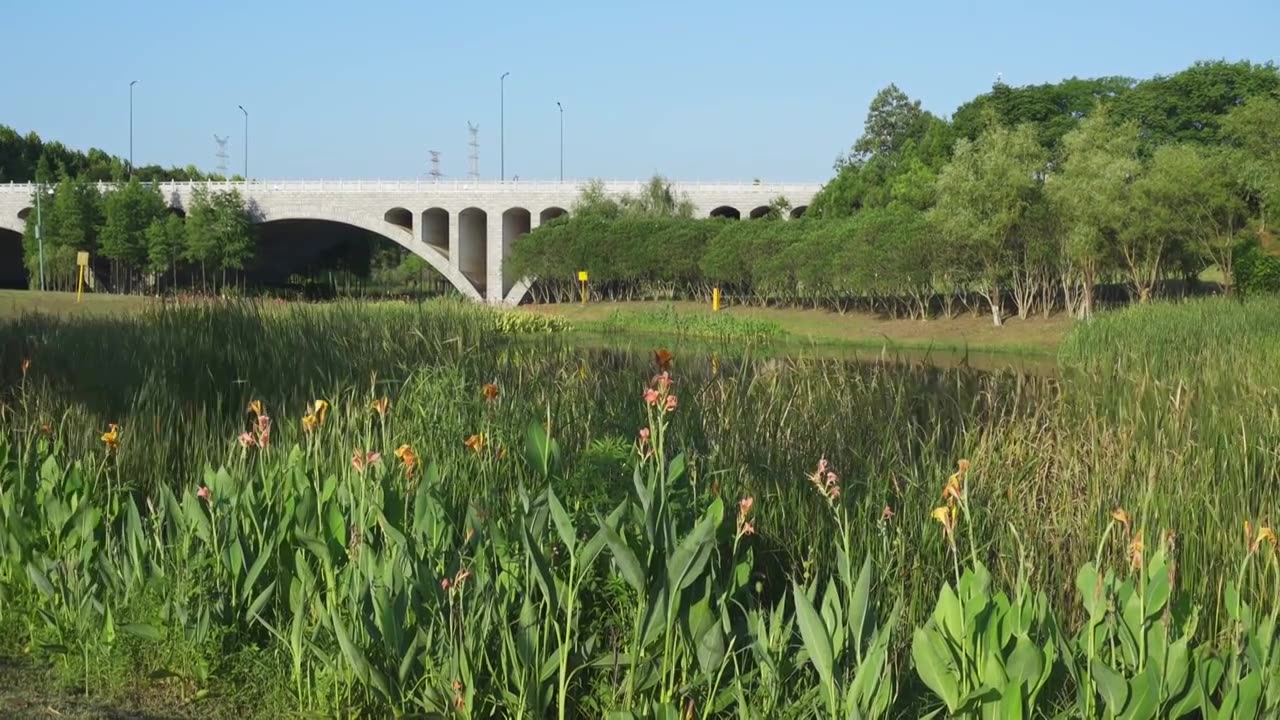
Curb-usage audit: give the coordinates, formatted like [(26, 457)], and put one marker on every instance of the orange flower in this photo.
[(26, 365), (490, 392), (111, 438), (1135, 550), (1120, 516), (662, 358), (380, 406), (886, 514), (475, 443), (408, 458)]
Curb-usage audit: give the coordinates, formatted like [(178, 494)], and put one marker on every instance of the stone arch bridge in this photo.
[(462, 229)]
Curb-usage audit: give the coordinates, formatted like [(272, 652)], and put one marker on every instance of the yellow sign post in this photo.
[(715, 299), (82, 262), (582, 281)]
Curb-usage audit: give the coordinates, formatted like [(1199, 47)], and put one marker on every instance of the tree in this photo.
[(128, 212), (1254, 128), (892, 120), (659, 198), (165, 237), (1091, 191), (983, 200), (593, 202), (1203, 200), (219, 232)]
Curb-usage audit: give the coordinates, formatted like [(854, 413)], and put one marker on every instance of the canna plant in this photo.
[(1246, 683), (842, 640), (984, 654), (1134, 649), (678, 651)]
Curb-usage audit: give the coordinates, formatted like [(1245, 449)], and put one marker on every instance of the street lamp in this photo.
[(561, 140), (131, 84), (246, 142), (502, 126)]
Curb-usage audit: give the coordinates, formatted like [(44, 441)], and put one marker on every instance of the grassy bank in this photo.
[(1032, 336), (518, 546)]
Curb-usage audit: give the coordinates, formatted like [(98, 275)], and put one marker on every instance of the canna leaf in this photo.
[(1114, 689), (858, 603), (625, 558), (144, 631), (927, 647), (41, 580), (814, 633), (260, 602), (564, 524)]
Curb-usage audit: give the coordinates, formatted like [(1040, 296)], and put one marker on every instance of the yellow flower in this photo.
[(946, 516), (490, 391), (1248, 534), (1264, 534), (1120, 516), (380, 406), (952, 492), (111, 438), (255, 407), (475, 443), (321, 409)]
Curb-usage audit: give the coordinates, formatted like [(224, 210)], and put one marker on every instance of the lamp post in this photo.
[(561, 140), (246, 142), (131, 84), (502, 126)]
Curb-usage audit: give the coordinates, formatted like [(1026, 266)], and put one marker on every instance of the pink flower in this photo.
[(204, 494), (644, 436), (264, 431), (748, 528), (651, 397), (361, 460), (745, 504), (672, 402), (444, 583), (664, 382), (247, 440)]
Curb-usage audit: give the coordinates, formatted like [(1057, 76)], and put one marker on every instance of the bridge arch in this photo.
[(726, 211), (473, 248), (550, 214), (24, 213), (516, 222), (799, 211), (436, 259), (435, 229), (400, 217), (13, 269), (760, 212)]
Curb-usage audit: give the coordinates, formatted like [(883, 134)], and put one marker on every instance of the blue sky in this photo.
[(695, 90)]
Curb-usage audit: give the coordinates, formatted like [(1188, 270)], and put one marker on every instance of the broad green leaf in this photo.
[(814, 633), (1011, 702), (144, 631), (40, 579), (1114, 689), (625, 558), (928, 652), (564, 524), (858, 603)]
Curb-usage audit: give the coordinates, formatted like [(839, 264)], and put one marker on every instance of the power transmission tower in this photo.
[(221, 154), (435, 165), (473, 157)]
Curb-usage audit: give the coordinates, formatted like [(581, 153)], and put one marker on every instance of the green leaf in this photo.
[(1025, 663), (564, 524), (933, 669), (259, 602), (858, 603), (814, 633), (1011, 702), (541, 571), (143, 631), (41, 580), (625, 558), (337, 525), (1114, 689)]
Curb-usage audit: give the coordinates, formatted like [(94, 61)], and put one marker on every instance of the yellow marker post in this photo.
[(582, 281), (82, 262), (715, 299)]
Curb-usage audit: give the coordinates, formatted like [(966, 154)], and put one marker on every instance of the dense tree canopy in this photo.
[(27, 158), (1029, 198)]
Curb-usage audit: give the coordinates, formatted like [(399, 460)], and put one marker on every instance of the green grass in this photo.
[(1167, 410), (1034, 336)]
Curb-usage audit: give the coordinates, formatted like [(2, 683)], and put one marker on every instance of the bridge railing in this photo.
[(420, 185)]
